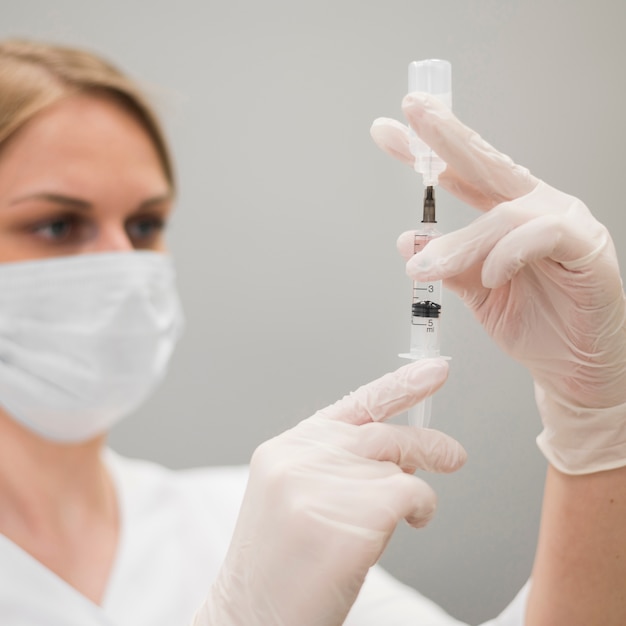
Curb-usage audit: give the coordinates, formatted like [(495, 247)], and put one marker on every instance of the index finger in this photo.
[(391, 394), (393, 138), (470, 158)]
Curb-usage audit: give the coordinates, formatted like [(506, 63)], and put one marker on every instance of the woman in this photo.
[(89, 316)]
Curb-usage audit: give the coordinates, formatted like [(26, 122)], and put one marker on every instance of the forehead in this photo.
[(79, 139), (81, 121)]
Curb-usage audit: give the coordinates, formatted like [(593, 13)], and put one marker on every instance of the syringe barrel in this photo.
[(425, 305), (419, 415), (425, 337), (433, 76), (427, 291)]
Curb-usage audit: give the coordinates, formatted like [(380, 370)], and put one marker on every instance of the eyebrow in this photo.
[(55, 198), (78, 203)]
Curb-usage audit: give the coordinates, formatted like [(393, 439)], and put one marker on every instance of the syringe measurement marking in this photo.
[(430, 327)]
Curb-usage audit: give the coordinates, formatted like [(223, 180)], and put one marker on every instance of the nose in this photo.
[(112, 237)]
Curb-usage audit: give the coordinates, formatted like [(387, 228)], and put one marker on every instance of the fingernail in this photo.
[(417, 98), (438, 367), (426, 515), (453, 459), (419, 266)]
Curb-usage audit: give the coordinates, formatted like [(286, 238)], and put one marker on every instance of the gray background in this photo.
[(288, 215)]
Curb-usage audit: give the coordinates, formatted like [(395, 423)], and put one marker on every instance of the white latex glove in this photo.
[(323, 500), (541, 275)]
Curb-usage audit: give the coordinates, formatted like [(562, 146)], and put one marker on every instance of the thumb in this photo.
[(391, 394)]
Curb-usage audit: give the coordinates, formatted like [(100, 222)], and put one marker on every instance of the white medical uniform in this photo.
[(175, 529)]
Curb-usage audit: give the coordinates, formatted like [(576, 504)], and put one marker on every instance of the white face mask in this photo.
[(84, 339)]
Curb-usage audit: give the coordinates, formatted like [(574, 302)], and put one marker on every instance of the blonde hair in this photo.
[(34, 75)]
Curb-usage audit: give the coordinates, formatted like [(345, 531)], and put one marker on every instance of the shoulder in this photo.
[(209, 493)]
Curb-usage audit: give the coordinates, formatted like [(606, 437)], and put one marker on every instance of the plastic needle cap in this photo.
[(432, 76)]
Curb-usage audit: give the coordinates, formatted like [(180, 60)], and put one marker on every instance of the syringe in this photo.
[(425, 310), (431, 76)]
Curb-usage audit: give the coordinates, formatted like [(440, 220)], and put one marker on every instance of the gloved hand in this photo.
[(323, 500), (541, 275)]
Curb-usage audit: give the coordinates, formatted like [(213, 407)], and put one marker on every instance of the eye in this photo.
[(144, 229), (57, 229)]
